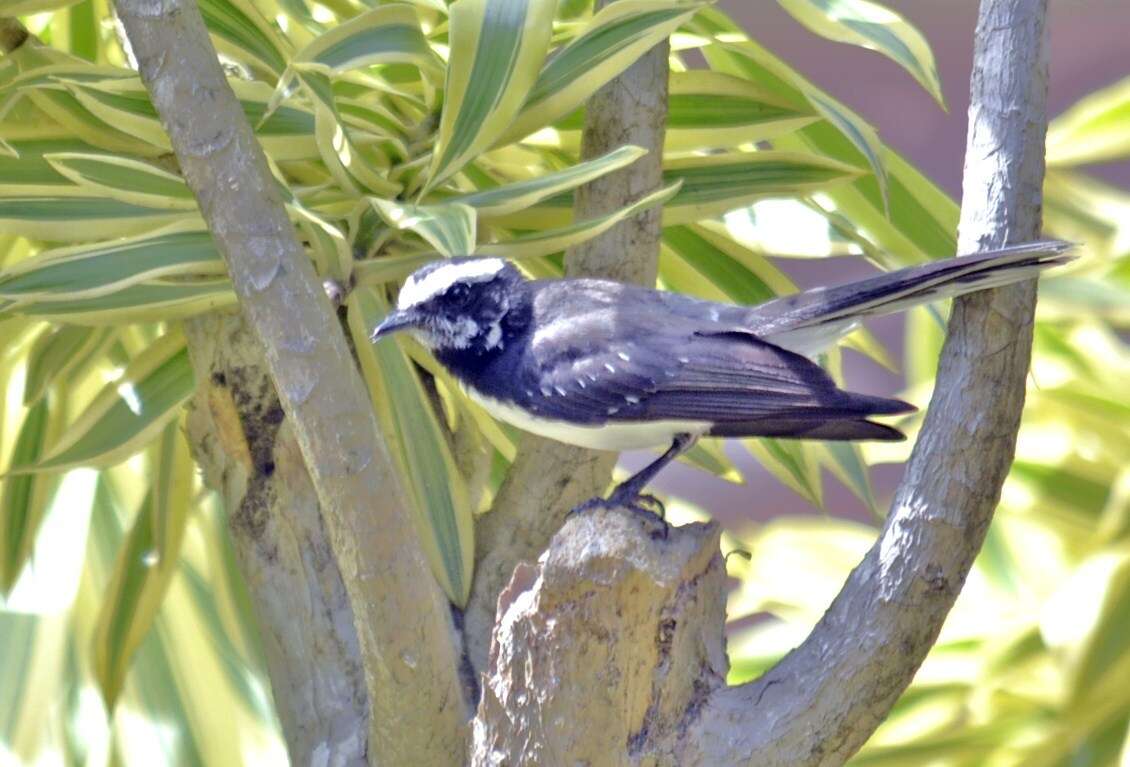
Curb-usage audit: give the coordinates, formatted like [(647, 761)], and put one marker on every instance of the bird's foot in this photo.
[(643, 504)]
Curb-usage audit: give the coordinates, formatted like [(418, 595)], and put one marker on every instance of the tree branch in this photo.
[(823, 700), (548, 479), (406, 637)]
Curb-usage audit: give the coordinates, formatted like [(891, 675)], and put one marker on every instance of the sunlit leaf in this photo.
[(874, 26), (497, 48), (145, 563), (128, 413), (449, 227)]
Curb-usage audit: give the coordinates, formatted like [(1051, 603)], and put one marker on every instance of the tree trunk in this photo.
[(408, 648)]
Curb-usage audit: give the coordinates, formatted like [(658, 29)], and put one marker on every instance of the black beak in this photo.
[(394, 321)]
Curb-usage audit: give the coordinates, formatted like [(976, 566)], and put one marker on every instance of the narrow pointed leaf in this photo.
[(155, 301), (793, 464), (57, 353), (617, 35), (1094, 129), (122, 178), (873, 26), (555, 240), (89, 271), (241, 31), (23, 497), (511, 198), (77, 219), (449, 227), (443, 514), (388, 34), (146, 562), (128, 413), (497, 49)]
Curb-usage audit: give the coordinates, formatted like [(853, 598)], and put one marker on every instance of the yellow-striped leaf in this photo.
[(388, 34), (714, 184), (550, 241), (145, 563), (128, 413), (125, 179), (154, 301), (511, 198), (242, 32), (450, 227), (442, 510), (497, 49), (873, 26), (24, 497), (57, 353), (89, 271), (1094, 129), (78, 218), (616, 36), (793, 463), (744, 276)]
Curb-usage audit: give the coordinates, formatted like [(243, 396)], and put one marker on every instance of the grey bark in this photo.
[(548, 478), (823, 700), (408, 647), (574, 691), (248, 452)]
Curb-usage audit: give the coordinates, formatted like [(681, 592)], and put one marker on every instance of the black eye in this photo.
[(459, 295)]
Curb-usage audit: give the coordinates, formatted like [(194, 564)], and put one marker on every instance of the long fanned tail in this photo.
[(811, 321)]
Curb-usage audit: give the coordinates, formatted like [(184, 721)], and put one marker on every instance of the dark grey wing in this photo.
[(635, 360)]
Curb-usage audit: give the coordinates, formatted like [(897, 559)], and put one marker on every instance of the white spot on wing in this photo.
[(439, 279)]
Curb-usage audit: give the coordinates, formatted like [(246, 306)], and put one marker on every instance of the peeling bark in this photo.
[(407, 641), (549, 478)]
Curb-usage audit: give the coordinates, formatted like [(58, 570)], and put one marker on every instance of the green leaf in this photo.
[(128, 413), (89, 271), (442, 511), (742, 275), (145, 564), (449, 227), (242, 32), (715, 184), (77, 219), (124, 179), (57, 353), (1093, 130), (384, 35), (550, 241), (712, 110), (845, 460), (616, 36), (156, 301), (511, 198), (872, 26), (497, 48), (793, 463), (24, 497)]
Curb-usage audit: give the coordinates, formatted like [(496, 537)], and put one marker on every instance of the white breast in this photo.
[(612, 435)]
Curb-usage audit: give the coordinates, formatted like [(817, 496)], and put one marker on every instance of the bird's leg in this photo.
[(629, 493)]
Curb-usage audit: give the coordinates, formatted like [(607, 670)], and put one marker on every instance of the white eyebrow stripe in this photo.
[(442, 277)]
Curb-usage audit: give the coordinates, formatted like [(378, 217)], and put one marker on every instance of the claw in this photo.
[(637, 503)]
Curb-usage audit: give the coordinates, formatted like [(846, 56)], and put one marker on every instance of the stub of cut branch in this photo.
[(606, 646)]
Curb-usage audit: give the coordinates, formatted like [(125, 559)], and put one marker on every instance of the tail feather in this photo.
[(810, 321)]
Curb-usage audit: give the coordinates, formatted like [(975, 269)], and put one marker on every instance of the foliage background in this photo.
[(1032, 667)]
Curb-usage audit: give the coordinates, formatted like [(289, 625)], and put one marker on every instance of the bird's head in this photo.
[(457, 305)]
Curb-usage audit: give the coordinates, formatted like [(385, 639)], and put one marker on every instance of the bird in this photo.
[(612, 366)]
